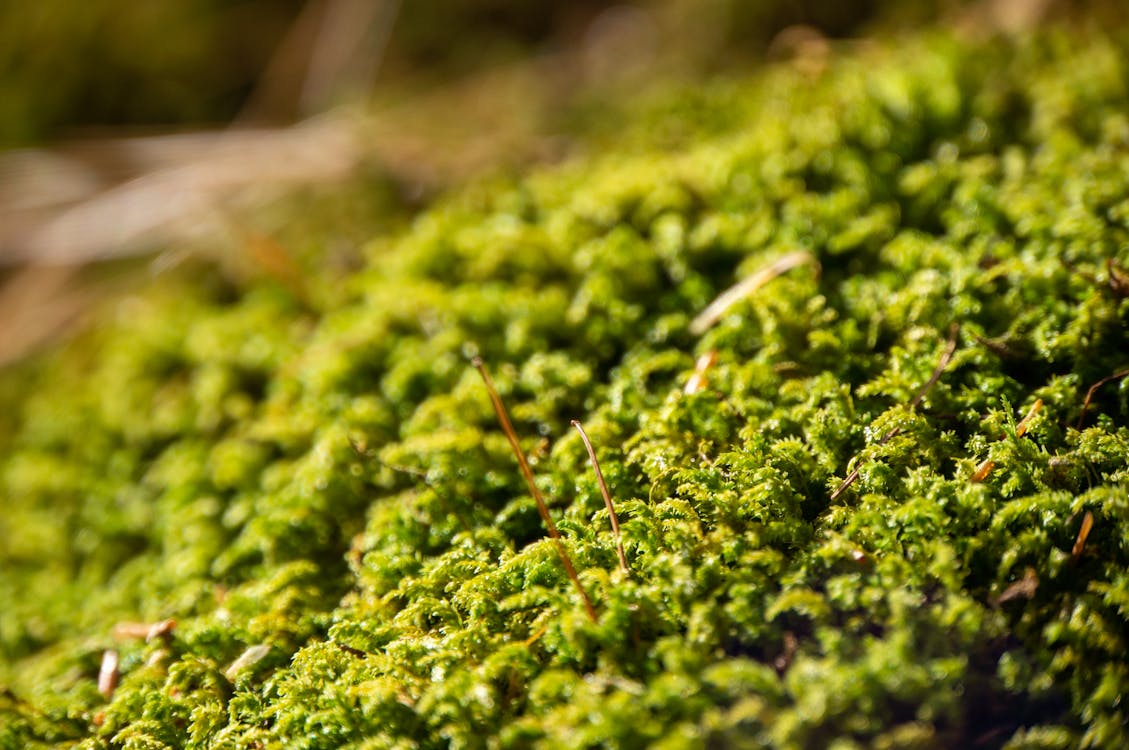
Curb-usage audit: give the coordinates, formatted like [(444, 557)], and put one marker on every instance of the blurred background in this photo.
[(134, 135)]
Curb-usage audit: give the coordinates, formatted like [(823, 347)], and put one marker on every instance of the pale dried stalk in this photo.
[(108, 674), (607, 496), (746, 287), (252, 656), (1021, 428)]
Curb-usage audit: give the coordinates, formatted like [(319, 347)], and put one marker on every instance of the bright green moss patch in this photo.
[(326, 478)]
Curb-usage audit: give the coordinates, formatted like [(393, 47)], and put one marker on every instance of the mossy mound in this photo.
[(315, 486)]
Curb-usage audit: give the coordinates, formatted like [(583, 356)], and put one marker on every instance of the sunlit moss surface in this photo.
[(322, 474)]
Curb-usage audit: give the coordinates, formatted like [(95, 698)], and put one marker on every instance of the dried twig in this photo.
[(1093, 389), (351, 651), (527, 473), (746, 287), (536, 636), (1024, 587), (607, 496), (331, 51), (946, 357)]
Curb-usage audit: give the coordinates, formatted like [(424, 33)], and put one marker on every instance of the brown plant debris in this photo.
[(1118, 279), (1021, 428), (984, 468), (1024, 588), (252, 656), (1093, 389), (607, 496), (527, 473)]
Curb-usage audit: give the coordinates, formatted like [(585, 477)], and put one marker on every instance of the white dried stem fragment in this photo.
[(250, 657), (109, 674), (747, 286)]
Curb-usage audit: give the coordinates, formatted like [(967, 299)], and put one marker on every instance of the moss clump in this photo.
[(326, 478)]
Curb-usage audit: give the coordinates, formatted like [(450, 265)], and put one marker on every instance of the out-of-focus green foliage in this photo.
[(67, 65), (321, 473)]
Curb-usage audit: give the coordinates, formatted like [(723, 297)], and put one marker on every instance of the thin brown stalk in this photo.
[(983, 469), (527, 473), (607, 496), (946, 357), (1094, 388)]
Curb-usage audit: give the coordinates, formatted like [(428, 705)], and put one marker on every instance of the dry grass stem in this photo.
[(942, 363), (527, 473), (1093, 389), (249, 658), (1118, 280), (607, 496), (747, 286)]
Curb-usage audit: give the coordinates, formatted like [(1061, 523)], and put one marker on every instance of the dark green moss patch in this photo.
[(327, 480)]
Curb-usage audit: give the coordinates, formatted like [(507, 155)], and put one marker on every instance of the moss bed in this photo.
[(315, 486)]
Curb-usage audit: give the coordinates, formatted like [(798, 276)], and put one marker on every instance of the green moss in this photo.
[(326, 478)]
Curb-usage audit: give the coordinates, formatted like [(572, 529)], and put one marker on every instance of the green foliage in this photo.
[(323, 483)]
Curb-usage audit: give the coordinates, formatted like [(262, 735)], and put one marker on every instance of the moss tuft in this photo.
[(319, 493)]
